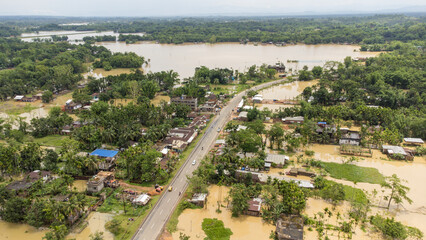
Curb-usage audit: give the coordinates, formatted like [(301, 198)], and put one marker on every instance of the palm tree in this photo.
[(91, 163)]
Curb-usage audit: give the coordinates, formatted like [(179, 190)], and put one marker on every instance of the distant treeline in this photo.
[(377, 29)]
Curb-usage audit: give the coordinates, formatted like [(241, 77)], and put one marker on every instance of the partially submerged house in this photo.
[(414, 141), (199, 199), (349, 137), (290, 227), (397, 152), (254, 207), (263, 178), (108, 158), (300, 171)]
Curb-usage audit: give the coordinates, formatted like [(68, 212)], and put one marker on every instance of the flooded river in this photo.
[(72, 35), (184, 58)]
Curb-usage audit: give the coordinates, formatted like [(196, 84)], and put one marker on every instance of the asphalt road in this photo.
[(152, 227)]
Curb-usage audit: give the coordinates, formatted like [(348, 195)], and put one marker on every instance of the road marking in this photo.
[(152, 225), (168, 200), (161, 211)]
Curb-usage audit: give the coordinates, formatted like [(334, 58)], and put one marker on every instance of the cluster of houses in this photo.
[(72, 107), (21, 98)]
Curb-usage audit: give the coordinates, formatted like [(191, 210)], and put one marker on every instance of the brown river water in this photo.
[(184, 58)]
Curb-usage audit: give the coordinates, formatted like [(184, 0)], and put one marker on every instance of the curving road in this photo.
[(153, 225)]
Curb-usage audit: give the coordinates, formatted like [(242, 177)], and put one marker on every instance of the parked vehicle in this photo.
[(193, 162), (170, 188)]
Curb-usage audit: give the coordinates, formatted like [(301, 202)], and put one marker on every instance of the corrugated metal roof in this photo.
[(104, 153), (414, 140)]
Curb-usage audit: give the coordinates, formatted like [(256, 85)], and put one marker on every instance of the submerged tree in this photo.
[(398, 190)]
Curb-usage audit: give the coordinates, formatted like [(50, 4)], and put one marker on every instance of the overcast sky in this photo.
[(142, 8)]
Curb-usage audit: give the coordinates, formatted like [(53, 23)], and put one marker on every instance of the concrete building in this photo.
[(191, 102)]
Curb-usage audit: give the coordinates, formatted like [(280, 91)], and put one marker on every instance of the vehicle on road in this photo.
[(218, 129), (193, 162), (170, 188)]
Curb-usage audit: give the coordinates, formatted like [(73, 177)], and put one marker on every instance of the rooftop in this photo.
[(414, 140), (104, 153)]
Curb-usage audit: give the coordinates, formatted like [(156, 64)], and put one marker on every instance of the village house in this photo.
[(291, 120), (189, 101), (263, 178), (275, 160), (199, 199), (414, 141), (199, 122), (257, 98), (300, 171), (29, 179), (142, 199), (242, 116), (254, 207), (71, 106), (179, 138), (220, 142), (37, 96), (108, 157), (349, 137), (290, 227), (18, 98), (397, 152), (99, 181)]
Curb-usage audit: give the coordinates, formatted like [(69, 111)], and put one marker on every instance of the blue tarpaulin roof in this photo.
[(104, 153), (322, 122)]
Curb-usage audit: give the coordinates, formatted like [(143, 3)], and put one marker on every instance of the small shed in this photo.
[(18, 98), (255, 205), (142, 199), (199, 199), (243, 116), (414, 141)]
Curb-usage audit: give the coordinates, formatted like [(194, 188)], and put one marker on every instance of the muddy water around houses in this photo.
[(413, 172), (287, 90), (96, 222), (80, 185), (243, 227), (11, 231), (185, 58)]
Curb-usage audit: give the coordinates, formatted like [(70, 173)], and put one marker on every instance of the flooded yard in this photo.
[(96, 222), (413, 172), (14, 231), (243, 227)]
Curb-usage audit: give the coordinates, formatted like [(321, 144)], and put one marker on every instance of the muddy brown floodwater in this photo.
[(184, 58), (243, 227), (96, 222), (413, 172)]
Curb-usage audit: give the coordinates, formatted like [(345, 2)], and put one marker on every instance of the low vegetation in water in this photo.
[(392, 229), (354, 173), (215, 229)]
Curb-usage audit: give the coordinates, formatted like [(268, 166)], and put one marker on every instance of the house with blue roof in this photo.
[(108, 158)]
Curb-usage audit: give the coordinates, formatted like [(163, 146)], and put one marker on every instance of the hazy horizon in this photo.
[(134, 8)]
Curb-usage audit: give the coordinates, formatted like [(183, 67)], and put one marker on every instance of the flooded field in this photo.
[(287, 91), (117, 71), (11, 231), (314, 206), (243, 227), (185, 58), (413, 172), (96, 222)]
